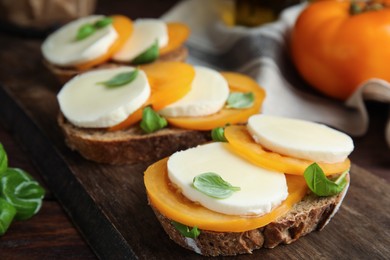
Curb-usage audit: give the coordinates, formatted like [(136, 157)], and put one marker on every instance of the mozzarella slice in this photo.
[(261, 189), (86, 103), (300, 139), (146, 32), (62, 49), (208, 94)]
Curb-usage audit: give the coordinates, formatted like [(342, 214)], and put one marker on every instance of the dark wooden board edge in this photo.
[(65, 186)]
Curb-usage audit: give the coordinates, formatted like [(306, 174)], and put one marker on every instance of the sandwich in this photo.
[(105, 41), (127, 114), (274, 180)]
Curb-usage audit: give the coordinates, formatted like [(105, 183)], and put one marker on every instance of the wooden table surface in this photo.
[(50, 234)]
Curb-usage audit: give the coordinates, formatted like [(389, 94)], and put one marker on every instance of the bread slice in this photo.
[(65, 74), (130, 145), (310, 214)]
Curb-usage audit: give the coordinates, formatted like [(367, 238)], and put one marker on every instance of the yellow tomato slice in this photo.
[(243, 145), (124, 28), (169, 82), (237, 83), (175, 206), (177, 35)]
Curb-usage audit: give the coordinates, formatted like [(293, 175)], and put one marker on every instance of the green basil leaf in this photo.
[(240, 100), (213, 185), (319, 184), (120, 79), (7, 214), (103, 22), (85, 31), (218, 134), (152, 121), (3, 159), (147, 56), (22, 192), (185, 230)]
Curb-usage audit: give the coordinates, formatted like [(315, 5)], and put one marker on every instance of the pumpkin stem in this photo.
[(358, 7), (355, 8)]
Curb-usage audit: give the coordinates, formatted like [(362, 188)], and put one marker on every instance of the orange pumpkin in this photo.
[(336, 48)]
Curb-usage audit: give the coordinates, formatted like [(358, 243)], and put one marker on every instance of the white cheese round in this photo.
[(260, 189), (62, 49), (86, 103), (208, 94), (145, 34), (300, 139)]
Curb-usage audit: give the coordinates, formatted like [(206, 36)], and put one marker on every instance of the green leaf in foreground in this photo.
[(218, 134), (213, 185), (7, 214), (320, 185), (85, 31), (3, 159), (121, 79), (152, 121), (185, 230), (240, 100), (147, 56), (22, 192)]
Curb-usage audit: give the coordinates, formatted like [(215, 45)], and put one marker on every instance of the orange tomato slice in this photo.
[(237, 82), (130, 120), (169, 82), (243, 145), (175, 206), (178, 33), (124, 28)]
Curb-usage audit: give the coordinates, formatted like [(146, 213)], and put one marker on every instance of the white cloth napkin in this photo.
[(261, 52)]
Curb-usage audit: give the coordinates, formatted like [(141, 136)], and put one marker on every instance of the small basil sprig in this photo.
[(218, 134), (240, 100), (213, 185), (152, 121), (320, 185), (186, 231), (88, 29), (147, 56), (120, 79), (20, 195)]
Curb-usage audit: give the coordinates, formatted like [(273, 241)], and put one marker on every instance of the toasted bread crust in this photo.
[(310, 214), (65, 74), (130, 145)]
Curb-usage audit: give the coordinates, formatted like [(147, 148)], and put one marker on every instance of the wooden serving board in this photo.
[(108, 203)]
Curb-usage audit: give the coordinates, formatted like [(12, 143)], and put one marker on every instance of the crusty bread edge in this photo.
[(285, 230), (130, 145), (65, 74)]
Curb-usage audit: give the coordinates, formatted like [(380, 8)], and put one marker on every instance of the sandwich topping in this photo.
[(145, 34), (182, 95), (87, 101), (66, 48), (244, 145), (300, 139), (208, 94), (238, 83), (96, 39), (259, 190)]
